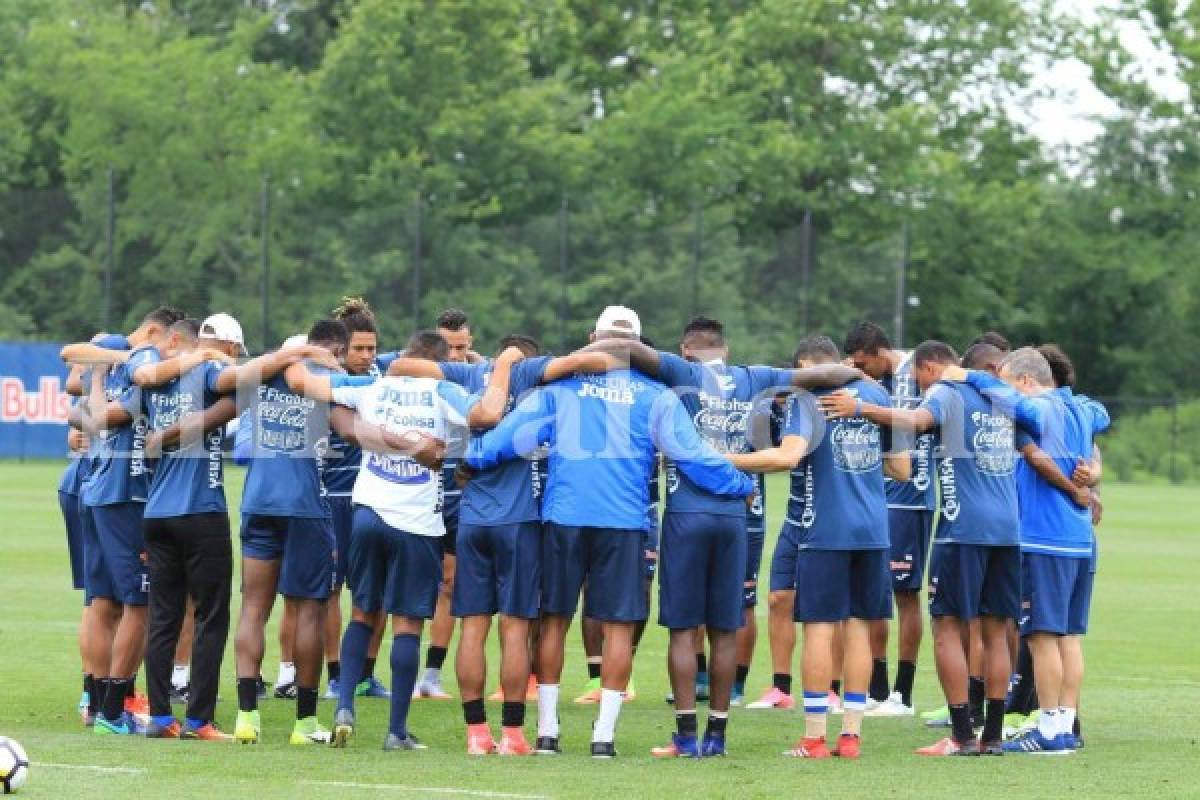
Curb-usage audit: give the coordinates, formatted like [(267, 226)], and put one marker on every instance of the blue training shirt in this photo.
[(916, 493), (120, 472), (604, 432), (837, 499), (721, 400), (188, 479)]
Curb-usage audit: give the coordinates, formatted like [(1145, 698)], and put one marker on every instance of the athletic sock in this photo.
[(1066, 720), (355, 641), (993, 724), (181, 676), (739, 678), (854, 706), (906, 672), (701, 664), (512, 715), (1023, 698), (247, 692), (131, 687), (473, 712), (548, 709), (717, 722), (1048, 723), (287, 673), (685, 722), (435, 657), (306, 702), (334, 669), (975, 695), (92, 687), (879, 680), (611, 701), (114, 698), (816, 707), (593, 667), (782, 681), (406, 655), (368, 670), (836, 687), (960, 723)]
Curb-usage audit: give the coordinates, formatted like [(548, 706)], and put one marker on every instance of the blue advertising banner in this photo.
[(33, 401)]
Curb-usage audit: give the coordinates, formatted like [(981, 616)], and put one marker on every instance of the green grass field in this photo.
[(1140, 701)]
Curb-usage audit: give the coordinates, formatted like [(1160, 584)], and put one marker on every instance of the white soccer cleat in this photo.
[(892, 707)]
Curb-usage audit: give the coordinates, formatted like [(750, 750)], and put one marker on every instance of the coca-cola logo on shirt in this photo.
[(993, 444), (856, 446)]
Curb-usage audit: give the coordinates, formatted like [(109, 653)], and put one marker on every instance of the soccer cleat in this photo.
[(630, 692), (702, 690), (809, 748), (479, 740), (604, 750), (181, 694), (591, 693), (774, 698), (737, 696), (547, 746), (392, 742), (429, 690), (343, 727), (892, 707), (138, 705), (163, 730), (513, 743), (849, 746), (372, 687), (309, 731), (938, 718), (285, 691), (835, 702), (713, 746), (669, 699), (680, 747), (85, 701), (1033, 743), (1070, 741), (332, 690), (208, 732), (248, 727), (947, 746), (125, 725), (991, 748), (262, 688)]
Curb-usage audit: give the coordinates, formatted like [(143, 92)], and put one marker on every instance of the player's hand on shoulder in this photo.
[(463, 474), (1083, 476), (212, 354), (511, 355), (837, 405), (954, 374)]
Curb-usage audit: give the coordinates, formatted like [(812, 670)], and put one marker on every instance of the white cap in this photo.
[(296, 341), (223, 328), (619, 319)]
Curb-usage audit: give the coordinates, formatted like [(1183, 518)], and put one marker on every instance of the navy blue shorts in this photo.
[(756, 534), (449, 540), (114, 551), (613, 563), (783, 560), (392, 570), (499, 570), (1056, 594), (908, 532), (970, 580), (72, 518), (306, 546), (835, 585), (341, 510), (703, 569)]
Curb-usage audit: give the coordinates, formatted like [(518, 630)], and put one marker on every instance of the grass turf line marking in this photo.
[(396, 787), (121, 770)]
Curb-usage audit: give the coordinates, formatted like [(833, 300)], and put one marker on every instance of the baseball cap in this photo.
[(223, 328), (296, 340), (619, 319)]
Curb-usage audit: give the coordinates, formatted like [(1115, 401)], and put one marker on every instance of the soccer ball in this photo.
[(14, 765)]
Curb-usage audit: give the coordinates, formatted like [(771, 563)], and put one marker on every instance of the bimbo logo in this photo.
[(49, 405)]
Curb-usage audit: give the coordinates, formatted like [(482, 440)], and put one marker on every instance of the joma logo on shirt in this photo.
[(623, 395)]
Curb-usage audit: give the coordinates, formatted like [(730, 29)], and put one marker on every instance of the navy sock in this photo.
[(435, 657), (879, 680), (368, 669), (114, 698), (739, 677), (247, 692), (406, 656), (355, 642), (335, 670)]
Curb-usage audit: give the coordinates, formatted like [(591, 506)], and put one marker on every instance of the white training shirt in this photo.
[(406, 495)]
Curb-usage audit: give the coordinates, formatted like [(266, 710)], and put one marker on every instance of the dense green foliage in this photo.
[(533, 161)]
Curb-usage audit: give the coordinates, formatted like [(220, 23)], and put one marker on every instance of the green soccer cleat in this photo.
[(938, 718), (247, 728), (309, 731)]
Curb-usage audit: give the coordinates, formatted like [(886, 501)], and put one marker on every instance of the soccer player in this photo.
[(841, 567), (395, 558), (603, 432), (287, 535), (68, 503), (114, 497), (1057, 545), (910, 521), (975, 571)]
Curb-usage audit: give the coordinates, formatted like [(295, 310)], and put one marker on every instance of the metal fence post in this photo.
[(110, 235), (901, 279)]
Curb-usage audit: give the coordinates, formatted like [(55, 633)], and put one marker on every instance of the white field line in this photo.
[(91, 767), (396, 787)]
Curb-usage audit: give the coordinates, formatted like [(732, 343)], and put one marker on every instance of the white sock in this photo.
[(433, 676), (611, 701), (548, 709), (181, 675), (287, 673), (1066, 719), (1048, 723)]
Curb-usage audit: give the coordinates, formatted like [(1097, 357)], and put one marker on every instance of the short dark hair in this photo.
[(705, 332), (932, 351), (1060, 364), (646, 340), (452, 319), (817, 347), (356, 315), (164, 316), (526, 344), (428, 345), (188, 327), (982, 355), (995, 339), (867, 337), (328, 331)]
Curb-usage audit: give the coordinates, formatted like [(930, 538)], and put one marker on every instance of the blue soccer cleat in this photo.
[(712, 746), (680, 747), (125, 725), (1034, 743)]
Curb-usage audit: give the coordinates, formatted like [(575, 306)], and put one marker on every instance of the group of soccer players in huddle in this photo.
[(436, 484)]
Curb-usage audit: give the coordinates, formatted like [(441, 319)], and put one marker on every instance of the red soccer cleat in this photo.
[(849, 746), (479, 740), (807, 747)]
